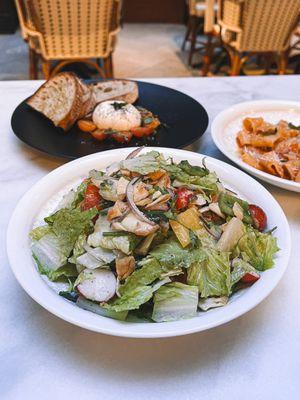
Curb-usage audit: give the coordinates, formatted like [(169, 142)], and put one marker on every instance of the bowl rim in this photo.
[(216, 127), (48, 299)]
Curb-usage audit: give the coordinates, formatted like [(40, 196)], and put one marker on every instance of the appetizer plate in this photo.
[(45, 195), (184, 121), (228, 123)]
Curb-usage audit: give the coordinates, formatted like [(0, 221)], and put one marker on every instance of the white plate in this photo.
[(228, 123), (43, 196)]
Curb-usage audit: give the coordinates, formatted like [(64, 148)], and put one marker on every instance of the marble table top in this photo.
[(256, 356)]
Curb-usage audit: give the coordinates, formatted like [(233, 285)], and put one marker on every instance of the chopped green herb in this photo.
[(118, 106), (115, 234), (292, 126), (110, 131), (147, 120)]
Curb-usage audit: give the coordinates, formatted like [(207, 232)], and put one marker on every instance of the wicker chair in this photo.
[(257, 27), (199, 10), (68, 31)]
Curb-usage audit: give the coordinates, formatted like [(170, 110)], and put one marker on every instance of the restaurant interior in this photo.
[(148, 38), (150, 213)]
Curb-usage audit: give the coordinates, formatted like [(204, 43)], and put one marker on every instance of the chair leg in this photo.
[(268, 62), (111, 64), (108, 66), (187, 34), (194, 21), (46, 69), (32, 64), (236, 63), (282, 62), (209, 47)]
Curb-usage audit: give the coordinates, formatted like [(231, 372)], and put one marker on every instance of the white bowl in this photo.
[(36, 203), (228, 123)]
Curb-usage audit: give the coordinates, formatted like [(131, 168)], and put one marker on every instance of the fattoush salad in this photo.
[(152, 239)]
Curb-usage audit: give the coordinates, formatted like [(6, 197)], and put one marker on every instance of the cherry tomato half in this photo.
[(259, 217), (91, 197), (99, 134), (122, 137), (183, 198), (250, 277), (142, 131)]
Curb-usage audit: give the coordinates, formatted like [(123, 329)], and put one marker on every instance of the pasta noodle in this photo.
[(272, 148)]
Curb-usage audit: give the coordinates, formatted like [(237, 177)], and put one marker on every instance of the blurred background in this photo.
[(148, 38)]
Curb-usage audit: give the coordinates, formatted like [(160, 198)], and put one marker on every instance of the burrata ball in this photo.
[(116, 115)]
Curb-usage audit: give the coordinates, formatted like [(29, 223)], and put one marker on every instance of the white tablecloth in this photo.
[(42, 357)]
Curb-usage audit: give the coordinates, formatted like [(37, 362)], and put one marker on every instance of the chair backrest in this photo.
[(206, 9), (192, 7), (24, 18), (74, 28), (259, 25)]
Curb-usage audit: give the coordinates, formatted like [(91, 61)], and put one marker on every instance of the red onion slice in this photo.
[(111, 169), (208, 229), (129, 194), (171, 193), (134, 153)]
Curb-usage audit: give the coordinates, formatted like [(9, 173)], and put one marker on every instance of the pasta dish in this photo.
[(272, 148)]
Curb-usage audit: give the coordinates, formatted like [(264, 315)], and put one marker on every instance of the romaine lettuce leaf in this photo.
[(175, 301), (68, 200), (78, 249), (226, 202), (50, 252), (144, 164), (239, 269), (39, 232), (89, 261), (211, 275), (97, 309), (136, 294), (170, 254), (102, 225), (257, 248), (100, 253), (125, 243), (79, 194), (108, 189), (193, 177), (193, 170), (150, 270), (231, 235), (95, 258), (96, 174), (166, 257), (131, 299), (207, 183), (65, 226), (62, 273), (212, 302), (69, 224)]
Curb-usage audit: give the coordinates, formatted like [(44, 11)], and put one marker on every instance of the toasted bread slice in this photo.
[(63, 99), (117, 89), (87, 99)]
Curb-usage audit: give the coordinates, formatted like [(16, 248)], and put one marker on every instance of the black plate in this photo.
[(184, 118)]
